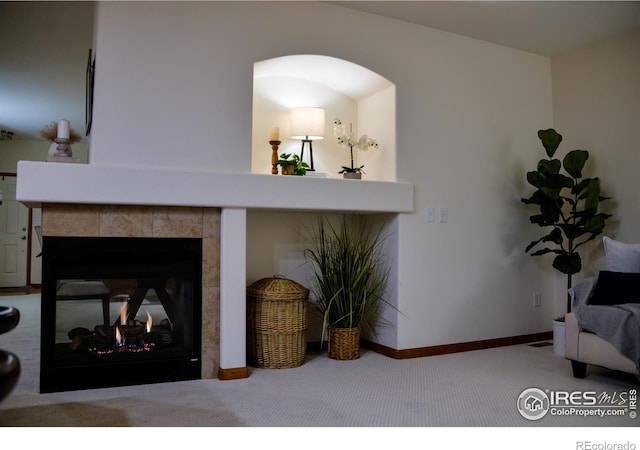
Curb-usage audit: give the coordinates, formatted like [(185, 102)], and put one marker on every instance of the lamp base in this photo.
[(307, 141)]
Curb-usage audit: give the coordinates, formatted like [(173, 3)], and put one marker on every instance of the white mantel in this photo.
[(41, 183)]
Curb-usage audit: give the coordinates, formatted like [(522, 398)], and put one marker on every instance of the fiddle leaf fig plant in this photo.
[(568, 206)]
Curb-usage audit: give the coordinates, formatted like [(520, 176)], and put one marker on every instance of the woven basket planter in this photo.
[(344, 343), (277, 311)]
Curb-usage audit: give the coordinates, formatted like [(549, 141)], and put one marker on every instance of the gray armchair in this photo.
[(583, 347), (604, 335)]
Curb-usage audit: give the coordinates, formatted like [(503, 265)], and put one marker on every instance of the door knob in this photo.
[(23, 237)]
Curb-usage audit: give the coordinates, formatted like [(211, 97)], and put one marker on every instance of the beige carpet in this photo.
[(472, 389)]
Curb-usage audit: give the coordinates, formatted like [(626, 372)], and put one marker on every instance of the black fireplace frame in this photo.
[(103, 257)]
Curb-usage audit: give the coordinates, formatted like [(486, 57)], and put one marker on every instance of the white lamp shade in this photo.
[(307, 123)]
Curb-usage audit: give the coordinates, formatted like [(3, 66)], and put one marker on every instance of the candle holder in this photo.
[(274, 156), (63, 152), (64, 149), (60, 136)]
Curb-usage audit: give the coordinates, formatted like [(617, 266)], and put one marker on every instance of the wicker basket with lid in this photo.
[(276, 323)]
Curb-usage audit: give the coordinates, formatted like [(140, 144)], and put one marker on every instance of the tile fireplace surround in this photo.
[(86, 220)]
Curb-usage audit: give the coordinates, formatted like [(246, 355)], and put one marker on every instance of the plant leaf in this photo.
[(551, 185), (535, 179), (596, 223), (555, 236), (549, 166), (580, 186), (550, 140), (574, 162), (568, 264), (592, 191), (532, 244), (544, 251)]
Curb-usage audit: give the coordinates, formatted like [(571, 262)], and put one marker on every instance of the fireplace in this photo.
[(120, 311)]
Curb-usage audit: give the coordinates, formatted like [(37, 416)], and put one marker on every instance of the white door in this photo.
[(14, 223)]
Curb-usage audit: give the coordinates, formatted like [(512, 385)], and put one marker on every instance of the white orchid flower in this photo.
[(350, 140), (363, 142)]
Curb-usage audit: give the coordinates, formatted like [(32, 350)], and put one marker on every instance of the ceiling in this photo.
[(342, 76), (547, 28), (41, 81)]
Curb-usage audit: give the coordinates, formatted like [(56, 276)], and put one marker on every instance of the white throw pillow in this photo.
[(621, 257)]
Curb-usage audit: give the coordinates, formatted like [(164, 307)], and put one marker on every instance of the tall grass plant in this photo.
[(349, 270)]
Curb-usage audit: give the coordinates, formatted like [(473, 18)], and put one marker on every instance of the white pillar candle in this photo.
[(275, 134), (63, 129)]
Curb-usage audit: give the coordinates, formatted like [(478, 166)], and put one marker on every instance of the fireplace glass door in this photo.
[(120, 311)]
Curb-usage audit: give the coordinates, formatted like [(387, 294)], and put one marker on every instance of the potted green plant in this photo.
[(567, 208), (291, 165), (349, 140), (350, 280)]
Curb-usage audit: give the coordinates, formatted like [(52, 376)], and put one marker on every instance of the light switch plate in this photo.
[(444, 215), (431, 215)]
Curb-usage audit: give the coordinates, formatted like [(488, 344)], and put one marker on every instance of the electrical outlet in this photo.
[(431, 214), (537, 299)]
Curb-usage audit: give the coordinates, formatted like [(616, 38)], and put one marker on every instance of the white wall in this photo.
[(596, 107), (174, 89), (468, 114), (380, 163)]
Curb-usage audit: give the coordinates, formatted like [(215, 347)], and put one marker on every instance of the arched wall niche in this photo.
[(355, 94)]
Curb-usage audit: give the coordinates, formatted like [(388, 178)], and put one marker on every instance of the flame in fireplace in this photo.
[(119, 338), (149, 322)]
